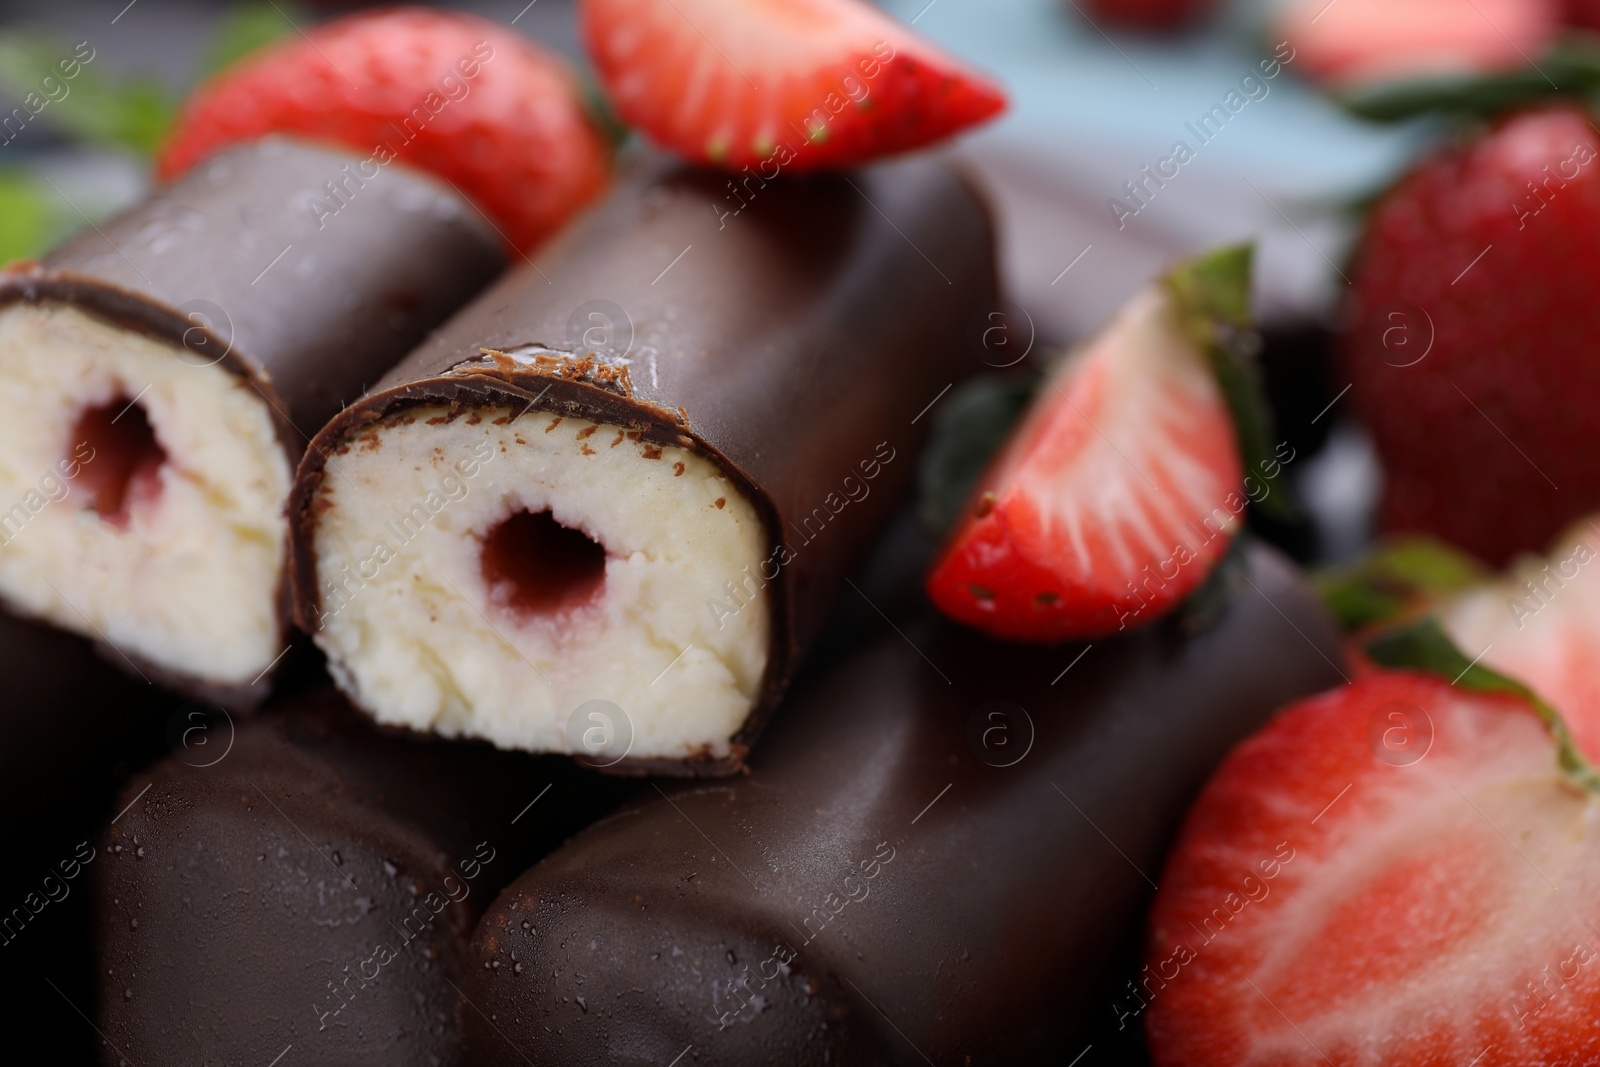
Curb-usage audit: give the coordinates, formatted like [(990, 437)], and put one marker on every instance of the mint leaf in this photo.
[(28, 221), (247, 28), (93, 105)]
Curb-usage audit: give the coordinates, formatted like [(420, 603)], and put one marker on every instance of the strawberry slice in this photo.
[(1394, 872), (1356, 42), (464, 98), (1353, 42), (779, 85), (1121, 489), (1540, 623)]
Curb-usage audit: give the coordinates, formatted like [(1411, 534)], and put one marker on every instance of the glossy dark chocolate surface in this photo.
[(935, 859), (313, 884), (361, 278), (794, 341), (72, 728)]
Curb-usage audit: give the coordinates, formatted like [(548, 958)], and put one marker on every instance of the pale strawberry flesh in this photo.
[(1540, 624), (779, 85), (1355, 888), (1353, 42)]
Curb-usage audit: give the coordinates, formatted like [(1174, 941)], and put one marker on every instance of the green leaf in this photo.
[(28, 221), (246, 28), (93, 105), (1395, 577), (1215, 287), (1213, 296), (1571, 67), (1424, 646), (967, 430)]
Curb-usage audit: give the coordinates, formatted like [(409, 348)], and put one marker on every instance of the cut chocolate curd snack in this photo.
[(605, 508), (538, 556), (158, 377), (166, 543)]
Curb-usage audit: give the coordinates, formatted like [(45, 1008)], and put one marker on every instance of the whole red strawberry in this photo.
[(1395, 872), (779, 85), (1585, 13), (1153, 15), (462, 97), (1472, 334)]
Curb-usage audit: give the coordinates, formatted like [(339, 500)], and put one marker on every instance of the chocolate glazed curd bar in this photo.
[(637, 471), (160, 373), (918, 870), (316, 886), (71, 727)]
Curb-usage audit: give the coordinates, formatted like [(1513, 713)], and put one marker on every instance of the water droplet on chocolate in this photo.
[(138, 853), (581, 1005), (390, 868), (516, 968), (133, 924), (127, 994)]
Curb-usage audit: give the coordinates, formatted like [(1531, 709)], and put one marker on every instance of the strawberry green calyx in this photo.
[(1570, 68), (1397, 577), (1424, 646), (1212, 292)]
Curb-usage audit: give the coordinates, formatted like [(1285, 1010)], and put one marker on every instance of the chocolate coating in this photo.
[(784, 342), (896, 881), (197, 264), (71, 727), (315, 886)]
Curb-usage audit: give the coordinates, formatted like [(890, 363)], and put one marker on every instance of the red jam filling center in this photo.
[(119, 459), (536, 566)]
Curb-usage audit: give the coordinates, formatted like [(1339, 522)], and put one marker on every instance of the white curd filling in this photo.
[(141, 495), (488, 578)]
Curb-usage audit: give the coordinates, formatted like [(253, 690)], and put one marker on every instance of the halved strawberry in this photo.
[(1121, 489), (1349, 42), (1394, 872), (779, 85), (1540, 624), (459, 96)]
